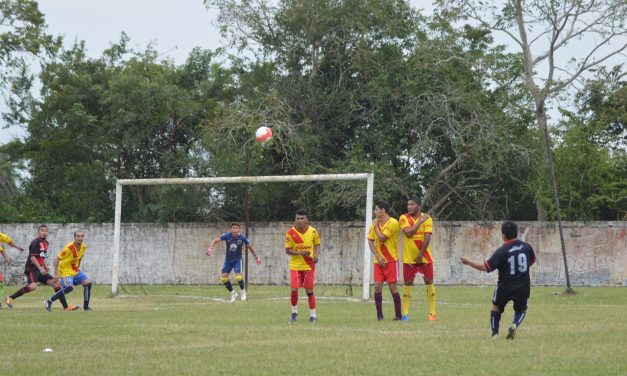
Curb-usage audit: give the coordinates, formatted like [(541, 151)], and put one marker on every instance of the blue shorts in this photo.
[(235, 265), (74, 281)]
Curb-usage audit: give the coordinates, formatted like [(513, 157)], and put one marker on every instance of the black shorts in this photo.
[(34, 276), (502, 296)]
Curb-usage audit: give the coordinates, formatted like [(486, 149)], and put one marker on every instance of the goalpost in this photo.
[(369, 177)]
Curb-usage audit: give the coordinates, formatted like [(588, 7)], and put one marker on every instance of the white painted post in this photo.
[(115, 265), (367, 259)]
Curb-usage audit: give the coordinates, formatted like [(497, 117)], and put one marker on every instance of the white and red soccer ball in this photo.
[(264, 134)]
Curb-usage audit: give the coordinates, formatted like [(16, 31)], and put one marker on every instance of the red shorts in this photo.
[(410, 271), (302, 278), (387, 273), (1, 277)]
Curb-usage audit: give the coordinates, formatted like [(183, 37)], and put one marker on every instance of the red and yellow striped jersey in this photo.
[(4, 238), (412, 244), (389, 248), (69, 259), (300, 241)]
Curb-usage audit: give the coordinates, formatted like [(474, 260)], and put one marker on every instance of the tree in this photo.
[(543, 30), (370, 90), (23, 34), (124, 115)]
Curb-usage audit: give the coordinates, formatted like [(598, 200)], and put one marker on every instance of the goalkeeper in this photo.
[(235, 242)]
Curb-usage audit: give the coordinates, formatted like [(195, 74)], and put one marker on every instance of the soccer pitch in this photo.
[(192, 330)]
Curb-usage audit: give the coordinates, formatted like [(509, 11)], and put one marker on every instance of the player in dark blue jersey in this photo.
[(512, 260), (235, 242)]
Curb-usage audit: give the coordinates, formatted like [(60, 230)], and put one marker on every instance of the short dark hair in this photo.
[(383, 205), (41, 226), (415, 199), (235, 224), (510, 230), (79, 230), (302, 212)]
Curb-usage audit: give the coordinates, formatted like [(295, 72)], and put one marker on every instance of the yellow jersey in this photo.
[(413, 244), (389, 248), (4, 238), (300, 241), (70, 259)]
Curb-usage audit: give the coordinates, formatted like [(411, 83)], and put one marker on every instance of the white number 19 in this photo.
[(522, 263)]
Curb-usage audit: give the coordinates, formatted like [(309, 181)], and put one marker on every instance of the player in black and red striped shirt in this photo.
[(512, 260), (36, 270)]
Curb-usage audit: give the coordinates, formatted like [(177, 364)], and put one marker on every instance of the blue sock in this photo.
[(495, 319), (519, 317), (61, 292)]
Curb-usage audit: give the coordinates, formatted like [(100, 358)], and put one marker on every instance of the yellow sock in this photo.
[(406, 300), (431, 298)]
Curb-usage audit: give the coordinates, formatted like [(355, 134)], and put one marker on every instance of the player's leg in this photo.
[(427, 272), (295, 283), (240, 279), (378, 290), (409, 274), (81, 279), (498, 306), (31, 285), (391, 277), (308, 284), (224, 278), (61, 289), (520, 312)]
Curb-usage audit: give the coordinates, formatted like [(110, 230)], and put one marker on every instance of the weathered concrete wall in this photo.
[(175, 253)]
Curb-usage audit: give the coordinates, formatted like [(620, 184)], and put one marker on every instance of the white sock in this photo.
[(312, 312), (294, 309)]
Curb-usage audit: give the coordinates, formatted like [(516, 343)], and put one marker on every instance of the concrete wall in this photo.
[(175, 253)]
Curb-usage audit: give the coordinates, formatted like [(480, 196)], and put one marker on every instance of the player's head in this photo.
[(79, 236), (381, 208), (42, 231), (235, 229), (302, 218), (414, 203), (509, 230)]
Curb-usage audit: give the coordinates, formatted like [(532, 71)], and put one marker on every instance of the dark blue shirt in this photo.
[(234, 245)]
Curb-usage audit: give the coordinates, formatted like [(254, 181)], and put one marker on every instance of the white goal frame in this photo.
[(369, 177)]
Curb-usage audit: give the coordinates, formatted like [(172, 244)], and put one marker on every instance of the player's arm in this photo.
[(56, 264), (479, 266), (316, 252), (250, 247), (292, 252), (382, 261), (410, 231), (42, 268), (12, 244), (423, 249), (211, 245), (380, 235), (6, 257)]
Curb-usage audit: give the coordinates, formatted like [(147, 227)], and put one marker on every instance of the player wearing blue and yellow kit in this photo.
[(67, 270), (4, 238), (235, 243)]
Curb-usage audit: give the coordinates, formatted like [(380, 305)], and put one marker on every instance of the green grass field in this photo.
[(189, 330)]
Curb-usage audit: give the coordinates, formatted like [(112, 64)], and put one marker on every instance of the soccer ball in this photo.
[(264, 134)]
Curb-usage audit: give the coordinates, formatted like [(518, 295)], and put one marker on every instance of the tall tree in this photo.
[(546, 32)]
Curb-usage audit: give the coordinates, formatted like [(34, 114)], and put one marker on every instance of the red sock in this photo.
[(312, 301), (294, 298)]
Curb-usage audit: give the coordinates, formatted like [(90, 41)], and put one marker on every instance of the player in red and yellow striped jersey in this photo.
[(302, 244), (417, 258), (67, 269), (383, 243), (4, 238)]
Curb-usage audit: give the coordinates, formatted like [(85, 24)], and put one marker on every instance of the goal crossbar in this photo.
[(368, 177)]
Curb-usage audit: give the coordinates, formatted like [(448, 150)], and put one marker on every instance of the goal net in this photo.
[(152, 253)]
